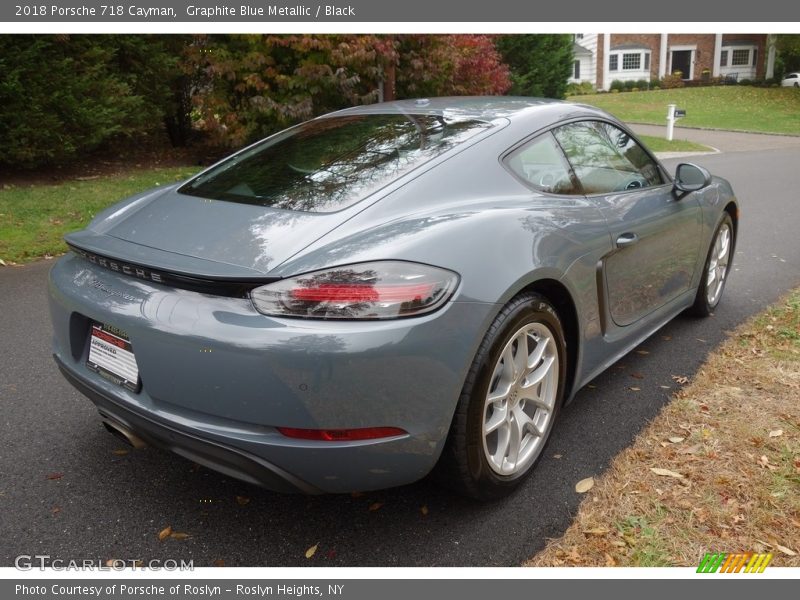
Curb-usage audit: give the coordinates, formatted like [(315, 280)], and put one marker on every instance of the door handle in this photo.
[(627, 239)]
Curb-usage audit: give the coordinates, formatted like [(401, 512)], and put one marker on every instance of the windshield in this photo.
[(328, 164)]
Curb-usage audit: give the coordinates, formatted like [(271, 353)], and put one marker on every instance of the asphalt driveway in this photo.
[(65, 492)]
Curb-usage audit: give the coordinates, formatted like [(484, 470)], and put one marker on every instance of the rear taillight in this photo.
[(342, 435), (374, 290)]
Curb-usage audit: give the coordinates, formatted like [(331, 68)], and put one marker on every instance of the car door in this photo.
[(655, 235)]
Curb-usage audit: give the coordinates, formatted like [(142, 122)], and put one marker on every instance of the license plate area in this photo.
[(111, 356)]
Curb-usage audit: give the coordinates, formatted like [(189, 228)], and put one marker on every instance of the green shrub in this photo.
[(669, 82), (580, 89), (617, 85), (62, 96)]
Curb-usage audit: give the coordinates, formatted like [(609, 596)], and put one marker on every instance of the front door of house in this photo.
[(682, 61)]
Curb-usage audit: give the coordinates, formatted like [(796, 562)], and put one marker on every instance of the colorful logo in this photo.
[(745, 562)]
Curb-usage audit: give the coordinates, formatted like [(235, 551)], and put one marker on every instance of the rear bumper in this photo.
[(218, 379), (214, 455)]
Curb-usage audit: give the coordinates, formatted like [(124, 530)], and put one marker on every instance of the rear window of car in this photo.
[(328, 164)]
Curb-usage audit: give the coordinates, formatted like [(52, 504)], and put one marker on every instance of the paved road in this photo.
[(108, 506)]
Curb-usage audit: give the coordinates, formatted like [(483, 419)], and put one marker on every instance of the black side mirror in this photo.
[(690, 178)]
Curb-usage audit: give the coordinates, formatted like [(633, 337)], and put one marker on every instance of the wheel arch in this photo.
[(733, 210), (557, 293)]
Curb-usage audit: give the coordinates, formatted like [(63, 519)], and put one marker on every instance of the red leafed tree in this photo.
[(450, 65)]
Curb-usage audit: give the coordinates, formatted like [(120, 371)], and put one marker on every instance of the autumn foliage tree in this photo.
[(449, 65), (252, 85)]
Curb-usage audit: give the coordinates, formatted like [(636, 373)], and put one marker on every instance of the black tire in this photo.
[(464, 466), (702, 307)]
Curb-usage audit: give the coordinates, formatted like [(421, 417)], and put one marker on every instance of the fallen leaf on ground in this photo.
[(311, 551), (584, 485), (764, 462), (665, 387), (242, 500), (179, 536), (52, 476), (219, 563), (675, 439), (165, 533), (642, 352), (557, 455), (424, 510), (596, 531), (356, 494), (785, 550), (776, 433), (375, 506), (637, 375), (635, 389), (666, 473), (120, 452), (56, 510), (680, 379)]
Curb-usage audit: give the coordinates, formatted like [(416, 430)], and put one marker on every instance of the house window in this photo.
[(613, 65), (576, 69), (578, 36), (755, 57), (631, 62), (723, 58), (646, 61), (740, 58)]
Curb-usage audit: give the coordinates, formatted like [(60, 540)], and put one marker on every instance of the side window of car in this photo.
[(606, 159), (541, 164)]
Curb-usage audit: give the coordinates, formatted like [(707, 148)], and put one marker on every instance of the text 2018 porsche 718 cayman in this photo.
[(386, 289)]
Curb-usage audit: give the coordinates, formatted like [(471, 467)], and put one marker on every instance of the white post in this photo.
[(717, 55), (606, 60), (670, 121), (770, 57), (662, 56)]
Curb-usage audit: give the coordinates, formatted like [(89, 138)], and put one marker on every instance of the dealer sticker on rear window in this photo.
[(111, 355)]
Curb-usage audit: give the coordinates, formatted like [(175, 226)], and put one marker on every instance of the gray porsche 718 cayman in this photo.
[(387, 291)]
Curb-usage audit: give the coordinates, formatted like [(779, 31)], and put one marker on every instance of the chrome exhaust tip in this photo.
[(123, 433)]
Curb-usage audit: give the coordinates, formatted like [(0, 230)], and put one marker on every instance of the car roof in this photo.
[(477, 107)]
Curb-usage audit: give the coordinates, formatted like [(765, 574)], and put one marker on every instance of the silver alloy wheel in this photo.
[(718, 264), (521, 400)]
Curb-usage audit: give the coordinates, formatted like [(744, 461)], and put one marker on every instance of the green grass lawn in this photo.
[(743, 108), (33, 219)]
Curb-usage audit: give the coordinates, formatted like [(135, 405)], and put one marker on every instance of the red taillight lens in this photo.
[(376, 290), (342, 435)]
